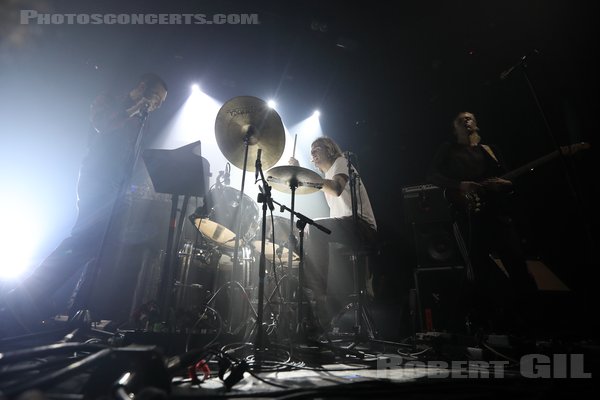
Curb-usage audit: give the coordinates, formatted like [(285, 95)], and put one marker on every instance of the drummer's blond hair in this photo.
[(333, 150)]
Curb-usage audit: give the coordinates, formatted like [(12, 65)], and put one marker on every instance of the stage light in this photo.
[(195, 120), (317, 113), (306, 130), (271, 104)]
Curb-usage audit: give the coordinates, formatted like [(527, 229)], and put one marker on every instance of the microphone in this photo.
[(279, 250), (351, 157), (521, 61), (144, 111), (257, 164), (227, 175)]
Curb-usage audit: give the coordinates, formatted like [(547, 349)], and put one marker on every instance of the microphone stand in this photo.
[(265, 198), (522, 64), (79, 321), (360, 312), (82, 298)]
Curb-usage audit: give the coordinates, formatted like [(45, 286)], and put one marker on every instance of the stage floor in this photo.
[(95, 364)]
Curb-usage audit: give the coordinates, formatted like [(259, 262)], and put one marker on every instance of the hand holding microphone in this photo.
[(145, 109), (141, 108)]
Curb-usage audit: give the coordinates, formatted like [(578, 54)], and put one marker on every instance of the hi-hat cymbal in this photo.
[(284, 176), (249, 117)]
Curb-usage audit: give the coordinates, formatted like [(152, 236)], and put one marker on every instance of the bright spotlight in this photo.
[(317, 113), (195, 120), (271, 104), (16, 254)]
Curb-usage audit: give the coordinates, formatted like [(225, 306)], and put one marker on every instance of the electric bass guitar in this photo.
[(476, 201)]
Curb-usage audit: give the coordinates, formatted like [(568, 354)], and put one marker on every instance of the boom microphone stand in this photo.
[(301, 224), (522, 65), (265, 198)]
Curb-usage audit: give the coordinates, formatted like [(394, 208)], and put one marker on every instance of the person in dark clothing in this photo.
[(116, 122), (470, 172)]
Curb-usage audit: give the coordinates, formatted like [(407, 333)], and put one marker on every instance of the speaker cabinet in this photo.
[(428, 217), (435, 245)]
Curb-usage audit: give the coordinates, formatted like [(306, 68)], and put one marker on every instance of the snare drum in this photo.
[(219, 220), (276, 233)]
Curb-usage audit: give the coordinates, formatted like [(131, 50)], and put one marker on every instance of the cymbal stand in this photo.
[(291, 240), (238, 228)]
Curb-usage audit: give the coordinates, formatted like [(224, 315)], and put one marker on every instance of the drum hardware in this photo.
[(202, 282), (293, 179), (193, 285), (301, 224), (195, 276), (247, 123), (265, 198)]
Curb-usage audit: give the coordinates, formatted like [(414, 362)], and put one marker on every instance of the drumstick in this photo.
[(294, 151)]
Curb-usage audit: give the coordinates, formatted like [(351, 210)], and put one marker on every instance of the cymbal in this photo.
[(306, 180), (247, 116)]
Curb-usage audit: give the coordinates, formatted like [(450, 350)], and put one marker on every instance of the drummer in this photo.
[(327, 157)]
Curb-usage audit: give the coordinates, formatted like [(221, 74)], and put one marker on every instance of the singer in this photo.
[(115, 124), (468, 169), (329, 159)]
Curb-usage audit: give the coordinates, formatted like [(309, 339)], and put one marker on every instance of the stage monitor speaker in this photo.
[(440, 305), (436, 245)]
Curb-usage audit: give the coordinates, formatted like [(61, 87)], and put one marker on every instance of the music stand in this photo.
[(178, 172)]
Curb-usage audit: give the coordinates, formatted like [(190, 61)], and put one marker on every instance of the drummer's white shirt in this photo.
[(341, 206)]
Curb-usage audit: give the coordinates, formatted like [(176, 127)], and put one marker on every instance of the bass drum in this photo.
[(217, 222), (236, 288), (195, 276)]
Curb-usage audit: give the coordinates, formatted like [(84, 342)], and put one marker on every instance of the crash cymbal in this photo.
[(306, 180), (251, 117)]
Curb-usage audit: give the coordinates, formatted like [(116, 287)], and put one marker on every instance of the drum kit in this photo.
[(232, 233)]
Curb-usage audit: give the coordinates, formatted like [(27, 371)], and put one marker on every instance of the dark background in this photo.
[(388, 77)]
